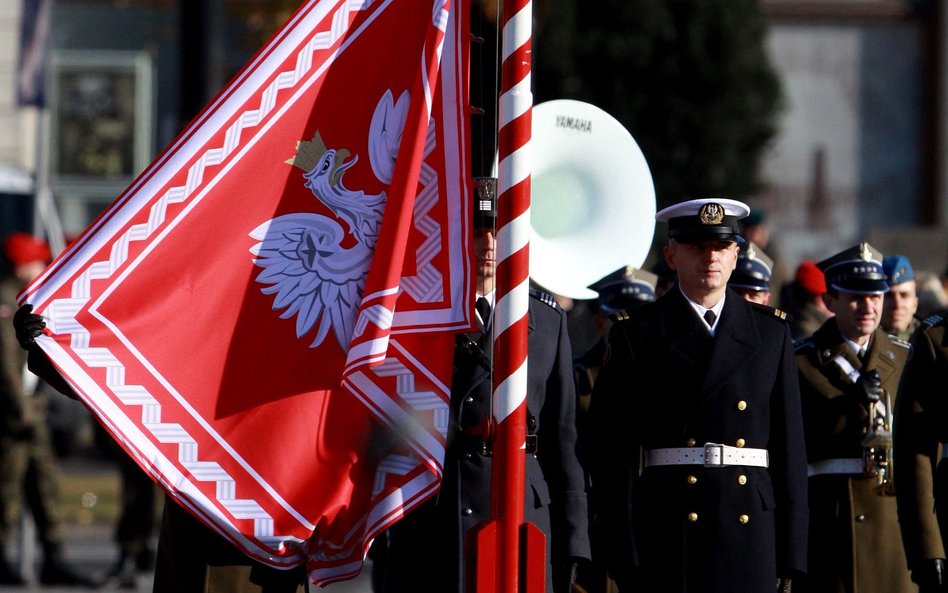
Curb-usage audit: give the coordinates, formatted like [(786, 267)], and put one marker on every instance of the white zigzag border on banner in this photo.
[(61, 312)]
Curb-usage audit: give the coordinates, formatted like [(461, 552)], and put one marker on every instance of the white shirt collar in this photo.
[(717, 308)]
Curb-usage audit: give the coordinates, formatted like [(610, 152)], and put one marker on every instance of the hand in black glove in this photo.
[(784, 585), (27, 326), (869, 386), (930, 576)]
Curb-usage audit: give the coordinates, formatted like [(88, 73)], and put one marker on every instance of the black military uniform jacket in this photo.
[(667, 383), (855, 543), (426, 548), (921, 424)]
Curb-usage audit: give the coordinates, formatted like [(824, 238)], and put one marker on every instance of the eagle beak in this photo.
[(341, 156)]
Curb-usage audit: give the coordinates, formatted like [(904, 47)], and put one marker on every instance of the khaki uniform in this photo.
[(854, 540), (28, 465), (920, 426)]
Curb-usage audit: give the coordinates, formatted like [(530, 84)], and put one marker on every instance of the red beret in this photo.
[(23, 248), (811, 277)]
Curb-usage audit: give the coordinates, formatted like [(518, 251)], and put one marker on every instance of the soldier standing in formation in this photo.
[(429, 548), (699, 468), (901, 302), (849, 375), (751, 277), (623, 289), (29, 469), (920, 425)]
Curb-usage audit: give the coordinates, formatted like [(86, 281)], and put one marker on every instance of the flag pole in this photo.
[(519, 546)]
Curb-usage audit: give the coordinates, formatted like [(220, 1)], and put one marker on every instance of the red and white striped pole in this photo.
[(518, 545)]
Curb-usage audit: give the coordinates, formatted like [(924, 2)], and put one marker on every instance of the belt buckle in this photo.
[(709, 455)]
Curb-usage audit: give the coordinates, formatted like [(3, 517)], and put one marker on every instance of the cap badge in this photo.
[(751, 252), (864, 252), (711, 213)]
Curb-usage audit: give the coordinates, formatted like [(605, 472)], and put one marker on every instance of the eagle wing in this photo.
[(311, 275), (385, 134)]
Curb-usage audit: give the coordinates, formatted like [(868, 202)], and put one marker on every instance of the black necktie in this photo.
[(709, 316), (483, 309)]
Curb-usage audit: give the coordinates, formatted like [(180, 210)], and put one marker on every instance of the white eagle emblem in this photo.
[(303, 261)]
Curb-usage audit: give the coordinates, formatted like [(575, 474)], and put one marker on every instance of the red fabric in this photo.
[(23, 248), (811, 278), (246, 322)]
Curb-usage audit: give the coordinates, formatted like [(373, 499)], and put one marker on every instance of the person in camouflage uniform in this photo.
[(28, 465)]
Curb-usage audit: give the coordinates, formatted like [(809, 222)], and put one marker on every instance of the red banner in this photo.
[(265, 318)]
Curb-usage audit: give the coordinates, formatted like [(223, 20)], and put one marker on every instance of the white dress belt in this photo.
[(836, 466), (710, 455)]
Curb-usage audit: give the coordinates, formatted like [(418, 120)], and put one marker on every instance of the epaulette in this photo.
[(803, 343), (544, 297), (899, 341), (620, 316), (933, 320), (778, 313)]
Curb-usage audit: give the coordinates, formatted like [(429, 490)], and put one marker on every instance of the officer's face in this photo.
[(857, 315), (703, 266), (899, 306), (484, 252)]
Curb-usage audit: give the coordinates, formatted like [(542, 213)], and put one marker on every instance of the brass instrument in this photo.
[(877, 445), (592, 199)]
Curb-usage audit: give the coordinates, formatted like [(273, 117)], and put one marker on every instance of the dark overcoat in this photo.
[(855, 544), (921, 423), (426, 548), (668, 383)]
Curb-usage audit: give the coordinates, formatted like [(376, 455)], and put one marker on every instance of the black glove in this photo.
[(869, 387), (27, 326), (784, 585), (930, 576)]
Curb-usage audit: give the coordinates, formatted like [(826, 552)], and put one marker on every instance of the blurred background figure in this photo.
[(901, 302), (756, 230), (667, 277), (751, 277), (29, 469), (802, 298), (136, 528), (623, 289), (932, 297)]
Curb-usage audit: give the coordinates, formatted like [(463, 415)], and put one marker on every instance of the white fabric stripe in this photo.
[(369, 349), (392, 413), (517, 30), (511, 393), (515, 102)]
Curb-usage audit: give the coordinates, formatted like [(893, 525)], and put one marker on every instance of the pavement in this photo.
[(88, 545)]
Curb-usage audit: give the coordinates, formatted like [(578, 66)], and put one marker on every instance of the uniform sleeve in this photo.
[(615, 457), (561, 466), (788, 465), (915, 448)]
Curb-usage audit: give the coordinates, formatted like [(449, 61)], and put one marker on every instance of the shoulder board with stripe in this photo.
[(544, 297), (899, 341), (933, 320), (803, 343), (768, 310), (620, 316)]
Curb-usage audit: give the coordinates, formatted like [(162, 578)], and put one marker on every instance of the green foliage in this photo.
[(690, 79)]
